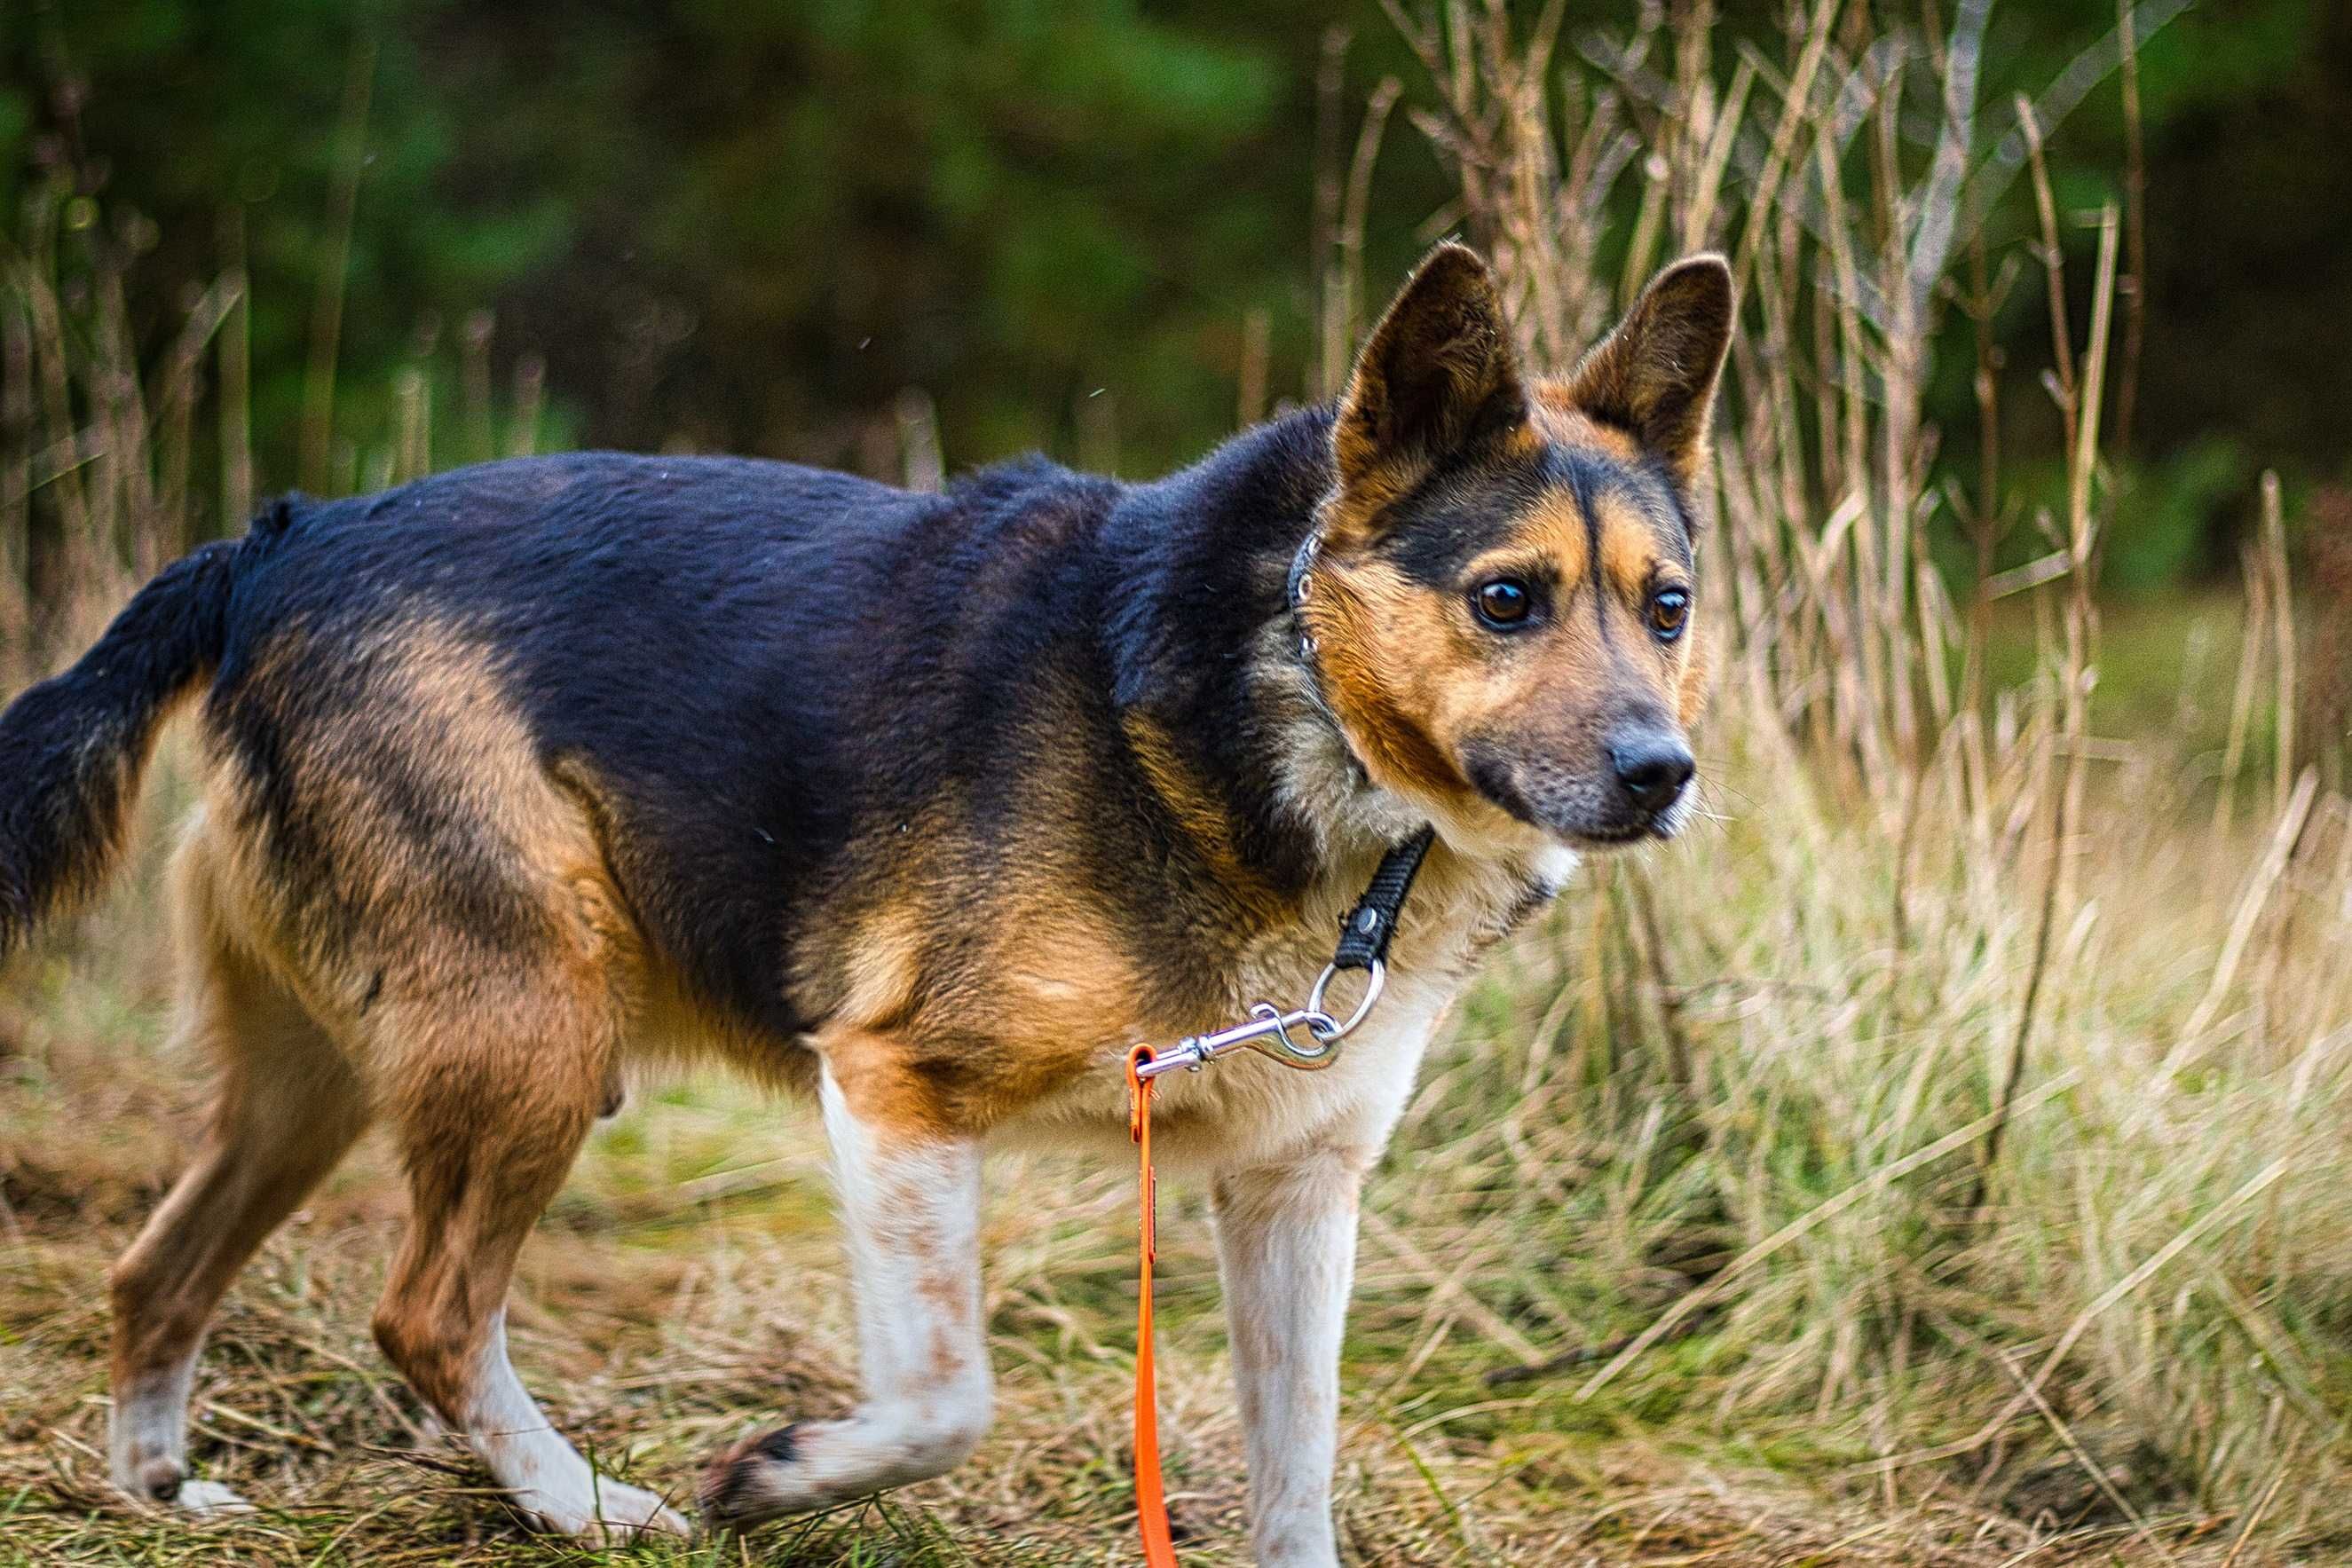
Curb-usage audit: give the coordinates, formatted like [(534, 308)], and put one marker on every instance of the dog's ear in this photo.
[(1436, 375), (1656, 375)]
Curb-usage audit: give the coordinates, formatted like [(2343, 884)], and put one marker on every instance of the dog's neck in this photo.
[(1205, 623), (1323, 783)]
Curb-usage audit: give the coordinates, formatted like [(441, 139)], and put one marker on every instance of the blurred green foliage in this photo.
[(752, 227)]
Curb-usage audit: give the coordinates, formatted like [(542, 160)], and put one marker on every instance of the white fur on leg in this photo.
[(543, 1472), (147, 1442), (1286, 1253), (911, 1215)]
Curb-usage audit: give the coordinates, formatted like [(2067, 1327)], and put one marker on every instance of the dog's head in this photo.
[(1506, 606)]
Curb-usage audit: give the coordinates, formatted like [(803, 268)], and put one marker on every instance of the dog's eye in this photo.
[(1504, 603), (1669, 613)]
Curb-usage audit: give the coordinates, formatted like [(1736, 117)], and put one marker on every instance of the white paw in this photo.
[(209, 1499), (759, 1478), (615, 1513), (820, 1464)]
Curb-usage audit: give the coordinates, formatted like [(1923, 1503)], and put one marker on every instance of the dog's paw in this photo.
[(209, 1499), (163, 1483), (614, 1515), (756, 1479), (821, 1464)]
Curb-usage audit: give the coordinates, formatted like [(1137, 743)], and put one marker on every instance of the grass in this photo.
[(1938, 1159), (1752, 1109)]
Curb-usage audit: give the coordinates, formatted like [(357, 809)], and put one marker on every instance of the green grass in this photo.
[(2166, 663)]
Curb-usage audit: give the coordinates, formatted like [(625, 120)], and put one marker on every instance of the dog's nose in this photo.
[(1653, 765)]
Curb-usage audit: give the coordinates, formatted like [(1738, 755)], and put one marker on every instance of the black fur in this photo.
[(72, 748)]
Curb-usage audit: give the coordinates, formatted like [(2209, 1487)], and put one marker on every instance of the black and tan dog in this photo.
[(930, 806)]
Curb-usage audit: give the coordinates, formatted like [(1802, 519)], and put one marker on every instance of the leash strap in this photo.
[(1364, 938), (1365, 935), (1150, 1499)]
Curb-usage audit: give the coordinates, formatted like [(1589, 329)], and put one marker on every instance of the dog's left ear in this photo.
[(1436, 375), (1656, 375)]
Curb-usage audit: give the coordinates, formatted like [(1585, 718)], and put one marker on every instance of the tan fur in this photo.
[(488, 1065), (288, 1108), (1691, 680), (1205, 822), (1364, 613), (1552, 535), (1035, 1008), (1631, 560), (884, 966), (1555, 414), (435, 711)]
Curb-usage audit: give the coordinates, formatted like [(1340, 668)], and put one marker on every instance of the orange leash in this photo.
[(1150, 1499), (1363, 945)]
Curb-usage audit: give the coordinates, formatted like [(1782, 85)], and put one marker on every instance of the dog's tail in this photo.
[(73, 747)]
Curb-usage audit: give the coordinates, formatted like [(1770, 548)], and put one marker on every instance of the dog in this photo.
[(927, 806)]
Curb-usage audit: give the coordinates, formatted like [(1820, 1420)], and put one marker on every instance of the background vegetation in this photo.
[(753, 228), (1937, 1160)]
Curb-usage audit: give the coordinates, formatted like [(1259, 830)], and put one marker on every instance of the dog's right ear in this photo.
[(1437, 374)]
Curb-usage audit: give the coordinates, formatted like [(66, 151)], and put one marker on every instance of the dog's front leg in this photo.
[(910, 1207), (1286, 1250)]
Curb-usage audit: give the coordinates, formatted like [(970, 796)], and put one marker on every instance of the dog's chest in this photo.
[(1245, 1108)]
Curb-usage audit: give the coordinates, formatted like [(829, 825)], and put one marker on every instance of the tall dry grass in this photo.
[(1936, 1158), (1965, 1108), (119, 452)]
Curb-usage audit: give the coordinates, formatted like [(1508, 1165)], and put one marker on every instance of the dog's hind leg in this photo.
[(289, 1108), (910, 1207), (492, 1102)]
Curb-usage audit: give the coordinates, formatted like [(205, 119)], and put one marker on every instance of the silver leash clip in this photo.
[(1270, 1031)]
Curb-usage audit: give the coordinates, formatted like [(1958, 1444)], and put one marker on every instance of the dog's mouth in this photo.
[(1654, 829), (1613, 838), (1580, 812)]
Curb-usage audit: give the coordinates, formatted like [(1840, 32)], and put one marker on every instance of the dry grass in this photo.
[(1752, 1123), (1936, 1160), (1572, 1172)]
